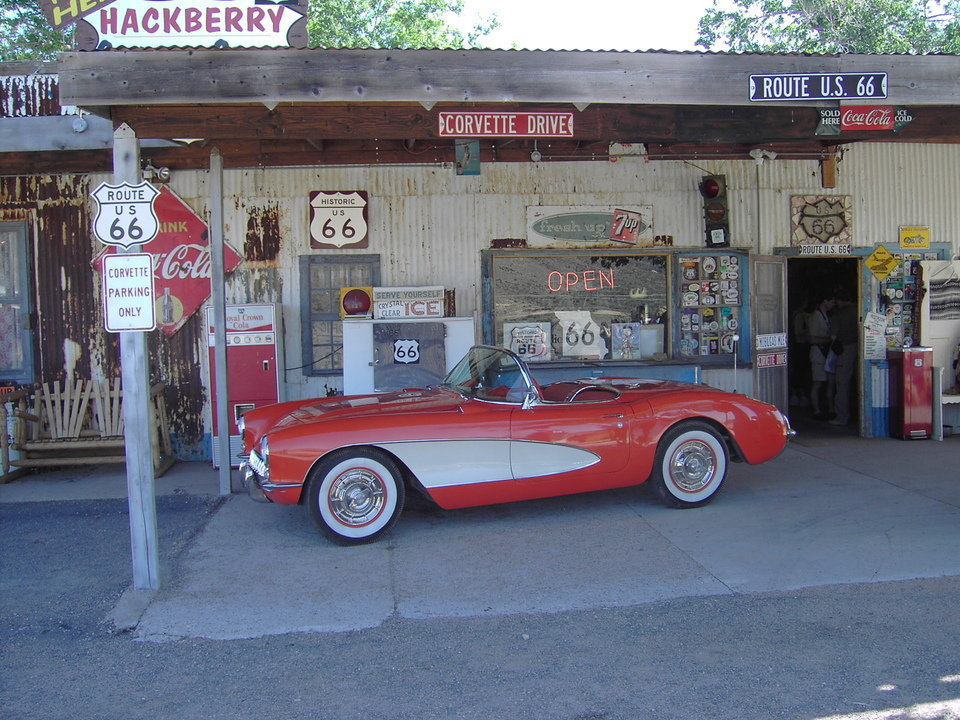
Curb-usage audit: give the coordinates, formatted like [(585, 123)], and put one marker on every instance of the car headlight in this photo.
[(241, 425), (264, 448)]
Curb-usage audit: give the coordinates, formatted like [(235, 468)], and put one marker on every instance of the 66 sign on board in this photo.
[(338, 219), (125, 214)]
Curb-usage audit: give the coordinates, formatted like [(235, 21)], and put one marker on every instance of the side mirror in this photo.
[(531, 399)]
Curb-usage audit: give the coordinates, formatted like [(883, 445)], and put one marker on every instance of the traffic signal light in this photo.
[(716, 212), (356, 302)]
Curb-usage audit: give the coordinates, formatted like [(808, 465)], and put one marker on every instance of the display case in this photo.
[(711, 296)]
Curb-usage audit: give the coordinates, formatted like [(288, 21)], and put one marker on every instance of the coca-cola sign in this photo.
[(866, 117), (181, 261)]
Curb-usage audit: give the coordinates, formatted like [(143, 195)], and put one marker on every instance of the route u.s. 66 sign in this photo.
[(125, 214)]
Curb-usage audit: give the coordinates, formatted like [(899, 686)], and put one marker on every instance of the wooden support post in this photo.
[(217, 279), (136, 406)]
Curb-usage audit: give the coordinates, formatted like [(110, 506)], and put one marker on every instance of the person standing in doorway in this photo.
[(845, 331), (820, 336)]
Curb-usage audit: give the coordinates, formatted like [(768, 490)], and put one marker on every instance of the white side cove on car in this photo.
[(443, 463)]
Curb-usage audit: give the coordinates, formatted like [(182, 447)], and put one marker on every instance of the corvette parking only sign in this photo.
[(128, 297)]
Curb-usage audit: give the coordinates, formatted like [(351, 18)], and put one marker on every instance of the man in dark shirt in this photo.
[(845, 326)]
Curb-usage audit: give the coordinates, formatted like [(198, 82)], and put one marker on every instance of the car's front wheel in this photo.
[(690, 466), (355, 495)]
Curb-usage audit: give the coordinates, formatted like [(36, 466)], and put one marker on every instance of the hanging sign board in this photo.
[(589, 226), (818, 86), (125, 214), (505, 124), (128, 292), (190, 23)]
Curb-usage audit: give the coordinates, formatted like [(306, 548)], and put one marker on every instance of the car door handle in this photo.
[(615, 415)]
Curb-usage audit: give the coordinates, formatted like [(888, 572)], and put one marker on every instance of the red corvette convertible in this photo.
[(491, 434)]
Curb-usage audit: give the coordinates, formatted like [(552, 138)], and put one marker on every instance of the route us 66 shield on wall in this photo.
[(125, 214), (338, 219)]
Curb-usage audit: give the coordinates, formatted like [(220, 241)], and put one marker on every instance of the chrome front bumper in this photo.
[(256, 476), (252, 483)]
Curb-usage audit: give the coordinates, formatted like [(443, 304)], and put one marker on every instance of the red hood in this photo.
[(297, 412), (360, 405)]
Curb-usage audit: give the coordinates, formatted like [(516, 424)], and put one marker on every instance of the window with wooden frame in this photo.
[(321, 277)]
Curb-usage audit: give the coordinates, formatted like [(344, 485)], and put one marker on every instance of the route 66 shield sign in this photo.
[(125, 214), (406, 351), (338, 219)]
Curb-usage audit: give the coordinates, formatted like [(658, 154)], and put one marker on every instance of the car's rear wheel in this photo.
[(690, 466), (355, 495)]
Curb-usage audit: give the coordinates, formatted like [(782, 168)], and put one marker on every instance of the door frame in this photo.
[(20, 296), (770, 382)]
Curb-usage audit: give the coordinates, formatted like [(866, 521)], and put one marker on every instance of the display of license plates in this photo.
[(710, 287)]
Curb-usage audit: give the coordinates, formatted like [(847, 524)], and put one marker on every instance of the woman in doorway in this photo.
[(820, 336)]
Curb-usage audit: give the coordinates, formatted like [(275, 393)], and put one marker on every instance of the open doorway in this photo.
[(808, 280)]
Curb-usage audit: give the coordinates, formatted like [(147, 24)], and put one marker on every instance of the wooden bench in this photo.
[(76, 422)]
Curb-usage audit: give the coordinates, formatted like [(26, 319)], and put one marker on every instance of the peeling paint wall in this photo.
[(31, 96)]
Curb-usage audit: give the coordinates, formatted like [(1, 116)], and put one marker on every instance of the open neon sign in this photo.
[(589, 280)]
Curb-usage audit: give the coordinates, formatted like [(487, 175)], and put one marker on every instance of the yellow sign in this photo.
[(915, 238), (881, 262)]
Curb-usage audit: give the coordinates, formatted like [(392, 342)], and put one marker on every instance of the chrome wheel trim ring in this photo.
[(692, 466), (356, 497)]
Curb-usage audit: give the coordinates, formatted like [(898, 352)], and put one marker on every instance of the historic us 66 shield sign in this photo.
[(125, 214), (338, 219)]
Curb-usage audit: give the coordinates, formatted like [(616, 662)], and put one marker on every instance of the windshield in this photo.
[(489, 373)]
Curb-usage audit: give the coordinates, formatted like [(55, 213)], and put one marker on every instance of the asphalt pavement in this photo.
[(841, 545)]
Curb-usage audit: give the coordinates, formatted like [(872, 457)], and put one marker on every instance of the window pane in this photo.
[(581, 306), (323, 276)]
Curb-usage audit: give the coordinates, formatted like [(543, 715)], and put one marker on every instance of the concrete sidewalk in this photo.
[(832, 509)]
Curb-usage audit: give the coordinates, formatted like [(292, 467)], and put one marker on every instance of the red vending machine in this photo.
[(911, 392), (254, 353)]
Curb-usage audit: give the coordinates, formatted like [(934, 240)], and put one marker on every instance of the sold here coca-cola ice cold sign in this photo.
[(181, 261)]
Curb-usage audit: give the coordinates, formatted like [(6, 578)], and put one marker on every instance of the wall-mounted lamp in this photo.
[(536, 155), (156, 174)]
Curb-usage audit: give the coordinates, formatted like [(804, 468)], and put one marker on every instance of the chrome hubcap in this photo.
[(693, 466), (356, 497)]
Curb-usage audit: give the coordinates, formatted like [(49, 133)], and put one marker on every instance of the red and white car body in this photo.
[(490, 434)]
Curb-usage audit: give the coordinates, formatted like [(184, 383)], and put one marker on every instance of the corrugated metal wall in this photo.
[(429, 226)]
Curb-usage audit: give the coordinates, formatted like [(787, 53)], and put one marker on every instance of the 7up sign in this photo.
[(125, 214)]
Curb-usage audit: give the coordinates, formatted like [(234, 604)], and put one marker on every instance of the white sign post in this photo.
[(128, 296), (126, 218)]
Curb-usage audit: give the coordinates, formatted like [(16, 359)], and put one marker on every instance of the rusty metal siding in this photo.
[(67, 319), (429, 225), (31, 96)]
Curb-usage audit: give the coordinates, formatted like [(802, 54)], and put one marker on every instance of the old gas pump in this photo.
[(254, 354)]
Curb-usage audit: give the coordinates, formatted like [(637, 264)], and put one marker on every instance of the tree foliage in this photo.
[(25, 33), (390, 24), (833, 26)]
